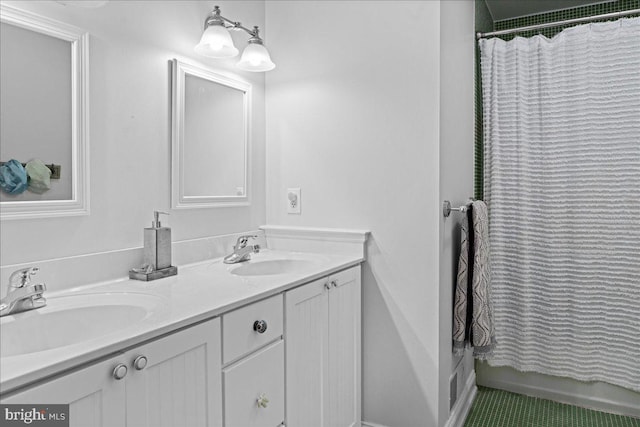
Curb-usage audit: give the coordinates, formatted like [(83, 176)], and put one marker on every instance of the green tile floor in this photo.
[(497, 408)]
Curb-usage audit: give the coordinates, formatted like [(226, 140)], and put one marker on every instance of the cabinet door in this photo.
[(343, 407), (181, 383), (94, 396), (306, 340)]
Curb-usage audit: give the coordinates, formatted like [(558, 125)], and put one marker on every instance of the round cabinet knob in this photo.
[(120, 371), (334, 284), (140, 363), (260, 326), (262, 401), (327, 286)]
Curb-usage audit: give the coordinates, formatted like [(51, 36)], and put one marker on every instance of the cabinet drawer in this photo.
[(261, 374), (239, 333)]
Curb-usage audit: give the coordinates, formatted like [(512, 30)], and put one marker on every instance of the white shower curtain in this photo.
[(562, 182)]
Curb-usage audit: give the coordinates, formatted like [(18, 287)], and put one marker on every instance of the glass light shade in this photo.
[(256, 58), (216, 42)]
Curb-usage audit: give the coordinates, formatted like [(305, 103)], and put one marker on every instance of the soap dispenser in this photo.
[(157, 252)]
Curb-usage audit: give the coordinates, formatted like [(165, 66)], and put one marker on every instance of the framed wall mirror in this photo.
[(43, 96), (210, 138)]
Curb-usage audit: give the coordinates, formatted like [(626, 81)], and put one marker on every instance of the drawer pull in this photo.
[(262, 401), (260, 326), (120, 371), (140, 363)]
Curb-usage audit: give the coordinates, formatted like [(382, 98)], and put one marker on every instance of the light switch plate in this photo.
[(293, 200)]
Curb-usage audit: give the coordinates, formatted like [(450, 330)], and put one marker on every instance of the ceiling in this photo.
[(507, 9)]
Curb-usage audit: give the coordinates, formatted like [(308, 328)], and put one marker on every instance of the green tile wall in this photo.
[(483, 23), (558, 15)]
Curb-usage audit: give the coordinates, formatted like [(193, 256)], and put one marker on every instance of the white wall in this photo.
[(457, 44), (131, 44), (353, 119)]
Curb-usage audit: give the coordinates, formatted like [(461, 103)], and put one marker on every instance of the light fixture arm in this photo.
[(215, 18)]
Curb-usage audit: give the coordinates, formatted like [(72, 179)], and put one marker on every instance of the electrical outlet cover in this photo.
[(293, 200)]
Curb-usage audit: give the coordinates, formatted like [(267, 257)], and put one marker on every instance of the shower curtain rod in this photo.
[(558, 23)]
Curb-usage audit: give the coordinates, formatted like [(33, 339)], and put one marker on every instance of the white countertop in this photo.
[(200, 291)]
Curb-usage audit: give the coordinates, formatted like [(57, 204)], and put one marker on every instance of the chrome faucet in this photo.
[(22, 295), (242, 251)]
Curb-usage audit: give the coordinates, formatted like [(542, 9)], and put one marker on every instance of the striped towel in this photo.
[(472, 315)]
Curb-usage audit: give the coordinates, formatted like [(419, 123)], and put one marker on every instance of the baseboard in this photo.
[(461, 409), (573, 397)]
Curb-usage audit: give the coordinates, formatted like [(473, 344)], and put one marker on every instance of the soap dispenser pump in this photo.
[(157, 252)]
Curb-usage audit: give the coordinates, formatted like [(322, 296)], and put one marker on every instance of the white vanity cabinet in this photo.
[(172, 381), (323, 350)]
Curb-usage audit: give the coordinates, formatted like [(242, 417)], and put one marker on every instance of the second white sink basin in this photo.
[(69, 320), (272, 267)]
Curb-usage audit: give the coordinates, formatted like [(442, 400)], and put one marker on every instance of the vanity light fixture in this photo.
[(216, 42)]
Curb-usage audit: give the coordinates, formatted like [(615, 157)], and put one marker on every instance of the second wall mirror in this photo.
[(210, 138)]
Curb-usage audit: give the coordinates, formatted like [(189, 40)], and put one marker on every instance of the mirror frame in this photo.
[(79, 41), (178, 198)]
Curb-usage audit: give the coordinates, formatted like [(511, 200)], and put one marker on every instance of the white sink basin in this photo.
[(69, 320), (272, 267)]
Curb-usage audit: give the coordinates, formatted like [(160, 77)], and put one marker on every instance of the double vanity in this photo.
[(272, 341), (269, 341)]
